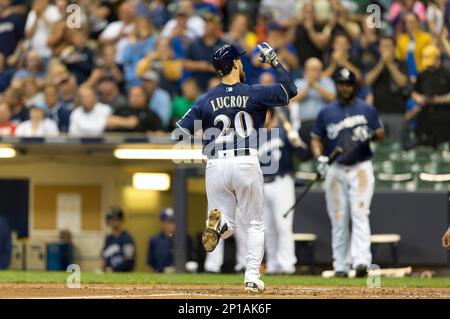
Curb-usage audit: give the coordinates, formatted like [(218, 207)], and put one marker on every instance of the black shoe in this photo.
[(212, 232), (361, 271), (341, 274)]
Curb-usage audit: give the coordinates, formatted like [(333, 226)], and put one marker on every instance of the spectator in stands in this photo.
[(5, 77), (278, 40), (136, 117), (432, 97), (183, 103), (101, 14), (67, 90), (60, 35), (198, 54), (399, 9), (108, 93), (90, 117), (78, 57), (283, 11), (105, 65), (40, 21), (340, 23), (411, 44), (239, 33), (365, 46), (56, 110), (161, 250), (185, 20), (340, 57), (11, 28), (159, 100), (119, 251), (7, 128), (117, 32), (167, 61), (141, 41), (389, 82), (38, 125), (436, 17), (315, 92), (32, 94), (309, 39), (14, 98), (5, 244), (154, 10), (33, 68)]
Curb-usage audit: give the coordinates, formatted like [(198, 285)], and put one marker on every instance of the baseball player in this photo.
[(446, 239), (119, 252), (351, 124), (231, 115), (279, 196)]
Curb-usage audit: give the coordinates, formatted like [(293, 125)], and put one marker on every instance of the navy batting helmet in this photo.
[(222, 59), (344, 75)]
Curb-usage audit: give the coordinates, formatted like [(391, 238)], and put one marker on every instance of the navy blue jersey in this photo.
[(119, 252), (276, 150), (161, 252), (231, 115), (340, 125)]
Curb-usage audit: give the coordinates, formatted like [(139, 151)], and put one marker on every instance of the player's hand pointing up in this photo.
[(267, 54)]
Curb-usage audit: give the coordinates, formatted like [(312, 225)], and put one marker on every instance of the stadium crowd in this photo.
[(139, 65)]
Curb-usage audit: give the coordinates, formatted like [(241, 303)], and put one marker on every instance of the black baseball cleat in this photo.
[(361, 271), (212, 232), (253, 287), (341, 274)]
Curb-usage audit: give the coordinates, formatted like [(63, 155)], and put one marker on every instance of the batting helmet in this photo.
[(222, 59), (344, 75)]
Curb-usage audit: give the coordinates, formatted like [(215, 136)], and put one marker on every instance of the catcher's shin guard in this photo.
[(212, 232)]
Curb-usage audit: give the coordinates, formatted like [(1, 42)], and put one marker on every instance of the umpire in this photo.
[(348, 123)]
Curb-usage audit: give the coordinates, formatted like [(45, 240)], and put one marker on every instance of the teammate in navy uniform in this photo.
[(119, 252), (351, 124), (279, 196), (230, 116)]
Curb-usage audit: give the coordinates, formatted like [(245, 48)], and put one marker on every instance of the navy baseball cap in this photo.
[(166, 215), (114, 213), (344, 75), (222, 59)]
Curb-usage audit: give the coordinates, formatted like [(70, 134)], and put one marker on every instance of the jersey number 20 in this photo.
[(243, 125)]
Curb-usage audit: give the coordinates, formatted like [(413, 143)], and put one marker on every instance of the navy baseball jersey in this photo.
[(231, 115), (277, 148), (348, 127), (119, 252)]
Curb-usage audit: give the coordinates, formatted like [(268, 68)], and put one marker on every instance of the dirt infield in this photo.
[(91, 291)]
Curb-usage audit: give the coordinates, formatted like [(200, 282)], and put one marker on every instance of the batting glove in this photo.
[(267, 54), (322, 165), (295, 140)]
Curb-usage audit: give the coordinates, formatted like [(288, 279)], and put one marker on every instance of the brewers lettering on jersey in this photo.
[(231, 115)]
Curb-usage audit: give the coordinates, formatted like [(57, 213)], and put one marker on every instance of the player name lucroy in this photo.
[(238, 101)]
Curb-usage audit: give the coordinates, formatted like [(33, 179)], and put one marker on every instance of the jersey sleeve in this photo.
[(270, 95), (374, 120), (319, 129), (187, 122)]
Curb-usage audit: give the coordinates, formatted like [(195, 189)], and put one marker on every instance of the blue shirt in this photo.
[(313, 102), (119, 252), (11, 32), (161, 104), (161, 252), (5, 244), (61, 115), (340, 126), (231, 115)]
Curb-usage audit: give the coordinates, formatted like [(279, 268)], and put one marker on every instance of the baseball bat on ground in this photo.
[(332, 158)]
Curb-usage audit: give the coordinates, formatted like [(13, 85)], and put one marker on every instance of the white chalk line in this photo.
[(125, 296)]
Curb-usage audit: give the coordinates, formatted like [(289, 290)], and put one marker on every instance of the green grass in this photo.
[(149, 278)]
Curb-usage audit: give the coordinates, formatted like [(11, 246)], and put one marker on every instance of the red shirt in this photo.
[(7, 129)]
